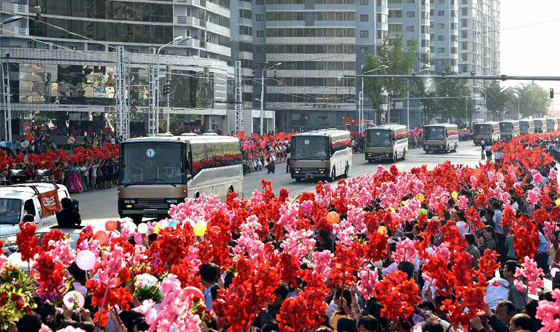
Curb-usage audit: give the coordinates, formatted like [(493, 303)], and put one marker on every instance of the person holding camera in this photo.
[(68, 217)]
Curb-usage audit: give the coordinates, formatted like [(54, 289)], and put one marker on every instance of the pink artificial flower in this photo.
[(368, 279), (299, 243), (321, 263), (249, 241), (463, 201), (532, 274), (406, 251), (549, 313), (288, 217), (533, 195), (45, 328)]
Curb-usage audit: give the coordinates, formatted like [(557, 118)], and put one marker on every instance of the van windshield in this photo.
[(379, 138), (434, 133), (10, 211)]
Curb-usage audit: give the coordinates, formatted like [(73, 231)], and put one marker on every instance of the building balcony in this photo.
[(289, 57), (15, 8), (14, 31), (245, 55), (322, 106), (218, 49), (195, 3), (311, 40), (216, 9), (190, 22), (217, 29)]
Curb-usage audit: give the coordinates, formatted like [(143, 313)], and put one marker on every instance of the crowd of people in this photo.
[(449, 249), (35, 157), (264, 152)]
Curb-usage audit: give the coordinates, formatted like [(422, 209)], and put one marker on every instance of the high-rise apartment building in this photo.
[(444, 35), (312, 46), (65, 61), (479, 44)]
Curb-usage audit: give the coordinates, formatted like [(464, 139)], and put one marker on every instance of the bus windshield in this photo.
[(524, 125), (310, 147), (10, 210), (506, 126), (482, 129), (152, 163), (434, 133), (379, 138)]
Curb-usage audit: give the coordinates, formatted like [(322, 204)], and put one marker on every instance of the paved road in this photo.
[(99, 206)]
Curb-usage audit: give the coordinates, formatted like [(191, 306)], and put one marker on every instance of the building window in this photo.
[(441, 13), (364, 2), (441, 50), (440, 38), (410, 14), (260, 17), (364, 17), (364, 34), (260, 33), (364, 49), (395, 13), (441, 26), (410, 28)]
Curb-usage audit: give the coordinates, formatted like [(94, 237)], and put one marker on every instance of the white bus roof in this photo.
[(324, 132), (447, 125), (191, 139), (391, 126)]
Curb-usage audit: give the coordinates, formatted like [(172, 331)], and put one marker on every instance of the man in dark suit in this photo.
[(68, 217)]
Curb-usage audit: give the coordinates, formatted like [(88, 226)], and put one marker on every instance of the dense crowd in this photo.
[(264, 152), (449, 249)]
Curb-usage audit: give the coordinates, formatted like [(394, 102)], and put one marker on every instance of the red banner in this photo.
[(49, 202)]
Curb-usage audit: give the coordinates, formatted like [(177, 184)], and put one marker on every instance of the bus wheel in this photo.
[(298, 179), (197, 195)]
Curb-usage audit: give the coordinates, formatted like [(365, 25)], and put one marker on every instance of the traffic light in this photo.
[(551, 93), (166, 88)]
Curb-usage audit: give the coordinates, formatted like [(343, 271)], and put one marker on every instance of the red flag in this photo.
[(241, 134), (49, 202), (255, 136), (265, 138), (281, 136)]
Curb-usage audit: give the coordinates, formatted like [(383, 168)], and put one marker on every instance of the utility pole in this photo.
[(152, 101), (262, 102), (168, 82), (238, 98), (122, 107), (6, 94)]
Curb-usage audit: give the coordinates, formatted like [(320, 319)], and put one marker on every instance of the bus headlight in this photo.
[(297, 170), (321, 170), (129, 201)]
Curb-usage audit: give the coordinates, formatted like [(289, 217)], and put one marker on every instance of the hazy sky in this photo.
[(530, 40)]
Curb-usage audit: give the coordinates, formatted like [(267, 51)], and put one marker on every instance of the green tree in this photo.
[(452, 98), (534, 100), (373, 87), (497, 99), (398, 61)]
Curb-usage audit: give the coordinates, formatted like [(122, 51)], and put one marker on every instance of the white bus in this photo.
[(509, 129), (489, 132), (441, 137), (157, 172), (386, 142), (325, 154)]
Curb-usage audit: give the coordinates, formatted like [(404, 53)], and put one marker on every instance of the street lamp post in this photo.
[(408, 97), (361, 97), (175, 40), (262, 94), (6, 85)]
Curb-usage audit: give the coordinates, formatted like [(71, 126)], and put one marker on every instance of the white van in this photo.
[(28, 199)]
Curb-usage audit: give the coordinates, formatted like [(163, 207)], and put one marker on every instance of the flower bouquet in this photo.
[(146, 286), (16, 295)]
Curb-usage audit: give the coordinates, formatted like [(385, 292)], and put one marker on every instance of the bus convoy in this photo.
[(159, 172), (323, 154)]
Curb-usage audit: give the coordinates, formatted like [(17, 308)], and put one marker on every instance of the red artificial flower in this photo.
[(488, 263), (398, 294), (27, 242), (50, 274)]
